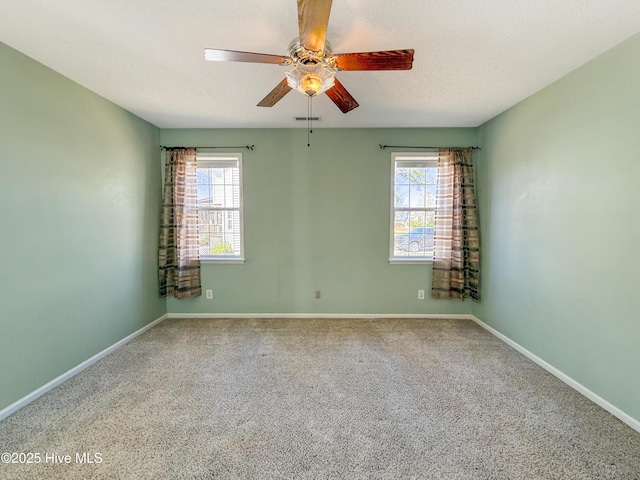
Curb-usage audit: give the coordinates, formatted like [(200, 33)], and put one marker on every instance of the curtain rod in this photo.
[(248, 147), (382, 147)]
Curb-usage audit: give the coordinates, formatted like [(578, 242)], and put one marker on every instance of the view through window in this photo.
[(413, 205), (219, 190)]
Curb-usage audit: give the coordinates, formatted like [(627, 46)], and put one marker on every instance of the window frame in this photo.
[(424, 156), (209, 159)]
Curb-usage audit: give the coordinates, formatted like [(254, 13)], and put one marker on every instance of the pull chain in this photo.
[(309, 121)]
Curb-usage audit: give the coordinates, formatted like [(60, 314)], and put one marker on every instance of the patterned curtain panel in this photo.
[(178, 255), (456, 262)]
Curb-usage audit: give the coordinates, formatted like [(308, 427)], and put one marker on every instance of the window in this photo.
[(219, 190), (414, 178)]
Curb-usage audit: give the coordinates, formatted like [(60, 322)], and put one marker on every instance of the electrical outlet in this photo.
[(317, 293), (209, 294), (420, 294)]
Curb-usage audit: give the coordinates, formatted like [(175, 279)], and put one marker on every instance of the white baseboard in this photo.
[(446, 316), (612, 409), (27, 399)]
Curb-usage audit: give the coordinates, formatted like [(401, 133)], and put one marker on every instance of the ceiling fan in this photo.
[(313, 61)]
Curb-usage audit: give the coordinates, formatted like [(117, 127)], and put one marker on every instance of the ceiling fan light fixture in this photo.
[(311, 79), (313, 61)]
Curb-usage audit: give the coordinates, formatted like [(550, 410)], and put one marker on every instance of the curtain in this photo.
[(178, 255), (456, 259)]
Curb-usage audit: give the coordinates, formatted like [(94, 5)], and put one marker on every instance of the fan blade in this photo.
[(343, 99), (275, 95), (313, 18), (385, 60), (215, 55)]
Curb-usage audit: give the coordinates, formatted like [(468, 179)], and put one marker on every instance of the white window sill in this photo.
[(410, 261), (222, 260)]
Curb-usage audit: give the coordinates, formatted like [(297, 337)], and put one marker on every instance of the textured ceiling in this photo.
[(473, 60)]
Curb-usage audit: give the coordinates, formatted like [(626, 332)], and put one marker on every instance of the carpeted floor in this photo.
[(318, 398)]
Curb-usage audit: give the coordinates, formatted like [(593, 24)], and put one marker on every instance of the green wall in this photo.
[(79, 208), (559, 192), (317, 218)]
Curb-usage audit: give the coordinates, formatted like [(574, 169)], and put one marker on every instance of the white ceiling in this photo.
[(473, 59)]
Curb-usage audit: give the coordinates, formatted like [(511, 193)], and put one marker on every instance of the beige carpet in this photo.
[(321, 398)]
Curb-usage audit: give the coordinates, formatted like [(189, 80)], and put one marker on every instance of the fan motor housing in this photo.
[(299, 54)]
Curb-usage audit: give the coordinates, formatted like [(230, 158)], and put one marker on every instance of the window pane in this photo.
[(418, 175), (203, 186), (430, 196), (231, 236), (432, 175), (402, 176), (413, 233), (417, 196), (401, 199), (208, 230)]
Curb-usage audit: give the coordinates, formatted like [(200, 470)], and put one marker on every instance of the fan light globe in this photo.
[(310, 84), (311, 80)]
